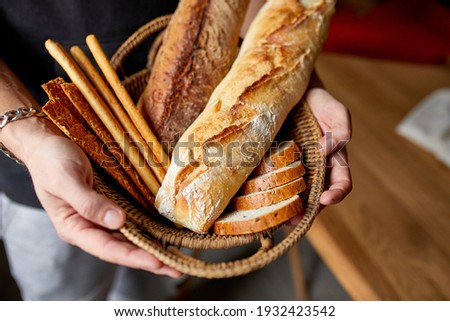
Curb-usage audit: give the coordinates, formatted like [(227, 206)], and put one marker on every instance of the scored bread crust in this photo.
[(277, 157), (244, 113), (253, 221), (197, 51), (273, 179), (268, 197)]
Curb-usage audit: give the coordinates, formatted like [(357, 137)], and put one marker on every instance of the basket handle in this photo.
[(138, 37)]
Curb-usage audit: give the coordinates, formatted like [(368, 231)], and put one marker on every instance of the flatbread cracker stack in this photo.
[(63, 110)]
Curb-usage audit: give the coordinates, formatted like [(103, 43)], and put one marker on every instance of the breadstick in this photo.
[(99, 106), (139, 121), (109, 97)]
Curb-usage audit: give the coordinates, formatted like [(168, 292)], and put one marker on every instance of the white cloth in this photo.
[(46, 268), (428, 124)]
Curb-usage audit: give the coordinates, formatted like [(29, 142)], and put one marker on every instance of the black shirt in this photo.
[(25, 25)]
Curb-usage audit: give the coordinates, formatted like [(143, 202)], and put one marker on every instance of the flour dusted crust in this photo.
[(198, 48), (245, 111)]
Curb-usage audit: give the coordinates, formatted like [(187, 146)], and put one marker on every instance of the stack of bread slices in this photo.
[(270, 196)]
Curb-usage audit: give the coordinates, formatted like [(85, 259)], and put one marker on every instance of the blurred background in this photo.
[(388, 62), (413, 31)]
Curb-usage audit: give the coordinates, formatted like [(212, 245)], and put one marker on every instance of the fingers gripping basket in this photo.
[(152, 233)]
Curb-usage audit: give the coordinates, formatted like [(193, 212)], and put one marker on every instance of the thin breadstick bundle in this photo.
[(118, 111), (123, 96), (103, 112)]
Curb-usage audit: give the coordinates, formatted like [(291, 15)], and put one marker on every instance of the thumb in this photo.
[(93, 206)]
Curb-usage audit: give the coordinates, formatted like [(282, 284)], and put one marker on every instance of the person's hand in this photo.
[(335, 122), (63, 179)]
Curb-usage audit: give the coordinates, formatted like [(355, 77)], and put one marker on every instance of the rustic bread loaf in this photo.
[(198, 48), (252, 221), (273, 179), (221, 148)]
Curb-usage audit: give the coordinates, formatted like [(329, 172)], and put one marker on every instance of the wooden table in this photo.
[(390, 239)]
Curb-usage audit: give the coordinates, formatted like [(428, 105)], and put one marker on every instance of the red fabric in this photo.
[(414, 31)]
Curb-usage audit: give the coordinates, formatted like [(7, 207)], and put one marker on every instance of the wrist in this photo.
[(22, 132)]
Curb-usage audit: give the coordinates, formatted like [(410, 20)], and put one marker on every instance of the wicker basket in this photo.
[(159, 237)]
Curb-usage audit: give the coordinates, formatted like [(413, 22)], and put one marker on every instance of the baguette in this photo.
[(221, 148), (198, 48), (268, 197), (273, 179), (252, 221)]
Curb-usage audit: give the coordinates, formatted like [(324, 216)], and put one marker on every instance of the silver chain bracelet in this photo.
[(12, 115)]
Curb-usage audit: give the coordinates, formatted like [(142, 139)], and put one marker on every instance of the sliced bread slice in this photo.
[(277, 157), (268, 197), (273, 179), (252, 221)]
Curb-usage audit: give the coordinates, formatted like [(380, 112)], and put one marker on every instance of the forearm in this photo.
[(18, 136), (13, 93)]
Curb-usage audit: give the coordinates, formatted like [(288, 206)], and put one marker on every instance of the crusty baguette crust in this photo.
[(268, 197), (198, 49), (270, 218), (273, 179), (245, 112)]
